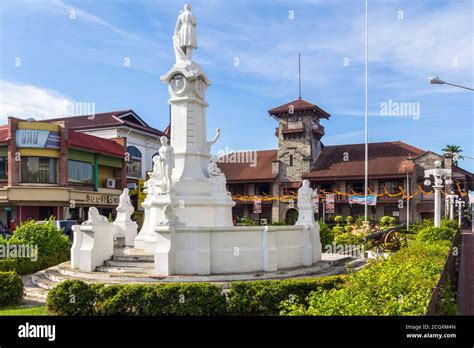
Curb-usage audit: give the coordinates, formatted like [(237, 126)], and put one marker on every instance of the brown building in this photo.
[(47, 169), (265, 189)]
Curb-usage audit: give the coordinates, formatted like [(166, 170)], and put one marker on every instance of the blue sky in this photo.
[(48, 57)]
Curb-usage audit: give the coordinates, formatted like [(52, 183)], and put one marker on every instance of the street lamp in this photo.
[(460, 203), (438, 81), (408, 198), (439, 174)]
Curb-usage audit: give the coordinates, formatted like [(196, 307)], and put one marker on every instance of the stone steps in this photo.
[(129, 264), (138, 269)]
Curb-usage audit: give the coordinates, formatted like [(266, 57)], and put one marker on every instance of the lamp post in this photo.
[(460, 204), (408, 197), (438, 81), (439, 174), (451, 198)]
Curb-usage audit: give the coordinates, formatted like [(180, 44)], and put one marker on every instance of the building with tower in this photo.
[(265, 191)]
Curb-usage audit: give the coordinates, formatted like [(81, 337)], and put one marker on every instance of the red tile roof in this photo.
[(246, 172), (298, 105), (106, 120), (3, 134), (94, 144), (385, 159)]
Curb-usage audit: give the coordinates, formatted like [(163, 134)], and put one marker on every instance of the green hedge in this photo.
[(400, 285), (264, 297), (74, 297), (11, 289), (78, 298), (435, 234), (53, 247)]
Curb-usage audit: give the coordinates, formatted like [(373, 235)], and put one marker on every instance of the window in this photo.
[(357, 187), (80, 172), (3, 168), (262, 189), (134, 165), (291, 161), (391, 186), (39, 170)]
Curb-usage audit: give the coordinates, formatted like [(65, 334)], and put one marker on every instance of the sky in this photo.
[(110, 54)]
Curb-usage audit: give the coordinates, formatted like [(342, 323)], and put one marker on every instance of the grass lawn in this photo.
[(36, 310)]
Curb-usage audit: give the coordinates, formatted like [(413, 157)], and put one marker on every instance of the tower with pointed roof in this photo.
[(299, 135)]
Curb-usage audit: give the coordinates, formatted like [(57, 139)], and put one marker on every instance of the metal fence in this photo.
[(449, 274)]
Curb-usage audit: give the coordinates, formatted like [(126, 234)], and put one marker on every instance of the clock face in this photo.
[(178, 83), (200, 87)]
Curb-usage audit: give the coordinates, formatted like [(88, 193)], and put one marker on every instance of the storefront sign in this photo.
[(37, 138), (102, 199)]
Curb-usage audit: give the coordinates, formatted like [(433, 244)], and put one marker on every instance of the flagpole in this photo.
[(366, 109)]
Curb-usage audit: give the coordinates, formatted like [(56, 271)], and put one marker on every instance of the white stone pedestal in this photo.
[(93, 244)]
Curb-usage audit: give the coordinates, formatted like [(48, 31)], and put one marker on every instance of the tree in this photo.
[(455, 151)]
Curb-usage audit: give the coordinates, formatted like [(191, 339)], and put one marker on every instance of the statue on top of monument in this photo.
[(305, 195), (166, 153), (184, 38)]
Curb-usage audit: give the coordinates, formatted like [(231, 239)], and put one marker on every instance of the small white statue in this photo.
[(217, 179), (94, 217), (125, 208), (154, 185), (214, 140), (167, 162), (305, 196), (184, 38), (169, 217)]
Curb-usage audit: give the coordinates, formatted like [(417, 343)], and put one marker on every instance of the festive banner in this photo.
[(257, 205), (330, 203), (371, 199)]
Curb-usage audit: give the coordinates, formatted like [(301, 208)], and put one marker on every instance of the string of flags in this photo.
[(353, 197)]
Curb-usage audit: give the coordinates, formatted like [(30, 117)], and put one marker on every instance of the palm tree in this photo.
[(455, 151)]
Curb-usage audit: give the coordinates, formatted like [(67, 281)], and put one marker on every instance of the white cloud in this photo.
[(25, 101)]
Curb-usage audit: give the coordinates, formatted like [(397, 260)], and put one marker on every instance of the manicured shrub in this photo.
[(53, 247), (453, 224), (385, 221), (164, 299), (348, 229), (325, 234), (392, 221), (11, 289), (72, 297), (433, 234), (400, 285), (338, 219), (336, 230), (264, 297), (348, 239), (349, 219), (78, 298)]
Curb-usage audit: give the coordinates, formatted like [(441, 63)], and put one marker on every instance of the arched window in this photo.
[(134, 164)]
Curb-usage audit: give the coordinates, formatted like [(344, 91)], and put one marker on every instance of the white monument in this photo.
[(189, 220), (125, 227)]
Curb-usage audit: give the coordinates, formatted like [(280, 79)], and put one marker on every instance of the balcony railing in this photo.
[(317, 128), (293, 127)]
